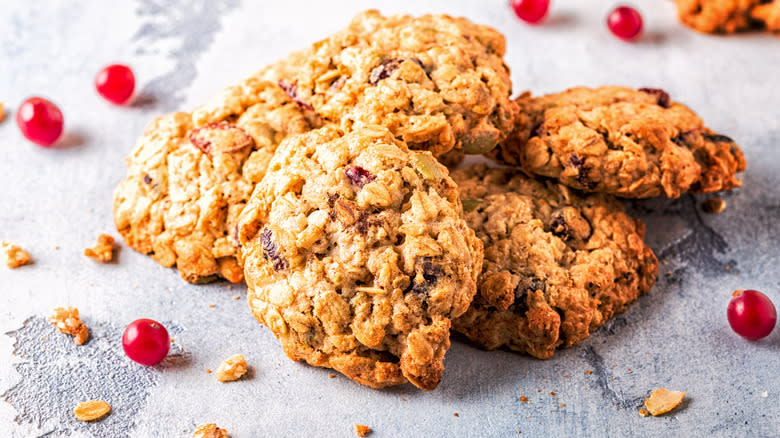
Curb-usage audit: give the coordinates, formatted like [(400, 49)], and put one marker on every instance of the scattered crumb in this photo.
[(737, 293), (629, 369), (91, 410), (613, 377), (230, 287), (765, 394), (13, 255), (43, 338), (67, 320), (211, 305), (662, 401), (588, 372), (544, 377), (456, 414), (208, 370), (524, 399), (103, 251), (171, 339), (518, 431), (210, 430), (552, 393), (538, 390), (331, 376), (563, 405), (362, 430), (231, 368), (728, 268), (713, 205), (403, 398), (565, 376), (643, 412), (236, 297), (2, 112)]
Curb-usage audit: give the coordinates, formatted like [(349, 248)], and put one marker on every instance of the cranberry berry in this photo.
[(40, 121), (751, 314), (146, 341), (116, 83), (531, 11), (625, 23)]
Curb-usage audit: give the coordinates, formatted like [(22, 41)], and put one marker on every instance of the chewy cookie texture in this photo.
[(617, 140), (357, 255), (558, 264), (190, 175), (436, 82)]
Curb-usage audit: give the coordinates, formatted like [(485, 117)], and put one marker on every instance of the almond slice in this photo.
[(662, 401)]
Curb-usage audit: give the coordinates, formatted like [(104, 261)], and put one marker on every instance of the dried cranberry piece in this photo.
[(292, 92), (220, 137), (270, 250), (582, 171), (384, 70), (431, 273), (147, 179), (662, 97), (359, 176)]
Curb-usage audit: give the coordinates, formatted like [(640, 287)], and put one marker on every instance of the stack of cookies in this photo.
[(322, 182)]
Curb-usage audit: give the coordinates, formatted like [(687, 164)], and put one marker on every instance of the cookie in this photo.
[(437, 82), (191, 174), (558, 263), (357, 256), (617, 140), (717, 16), (769, 14)]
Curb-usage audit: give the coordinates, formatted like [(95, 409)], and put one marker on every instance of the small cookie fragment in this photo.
[(231, 368), (713, 205), (91, 410), (210, 430), (362, 430), (13, 255), (2, 112), (103, 251), (67, 321), (662, 401)]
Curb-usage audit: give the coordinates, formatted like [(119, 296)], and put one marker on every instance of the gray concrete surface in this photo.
[(55, 202)]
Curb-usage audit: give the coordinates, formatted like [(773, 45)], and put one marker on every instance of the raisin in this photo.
[(384, 70), (538, 130), (568, 223), (526, 285), (431, 273), (662, 97), (270, 250), (292, 92), (359, 176), (582, 172), (147, 179)]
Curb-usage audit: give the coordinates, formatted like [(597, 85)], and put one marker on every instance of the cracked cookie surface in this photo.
[(191, 174), (558, 264), (357, 256), (437, 82), (617, 140)]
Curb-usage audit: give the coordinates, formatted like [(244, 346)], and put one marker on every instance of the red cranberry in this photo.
[(146, 341), (115, 83), (40, 121), (531, 11), (751, 314), (625, 22)]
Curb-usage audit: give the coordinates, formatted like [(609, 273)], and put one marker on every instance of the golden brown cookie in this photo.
[(436, 82), (558, 264), (357, 256), (191, 174), (617, 140)]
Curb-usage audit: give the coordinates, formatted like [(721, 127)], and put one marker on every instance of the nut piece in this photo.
[(231, 368), (210, 431), (362, 430), (103, 251), (713, 205), (67, 321), (91, 410), (662, 401), (13, 254)]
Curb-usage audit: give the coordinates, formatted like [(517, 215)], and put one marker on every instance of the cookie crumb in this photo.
[(13, 255), (456, 414), (524, 399), (2, 112), (211, 306), (403, 398), (103, 251), (210, 430), (643, 412), (362, 430), (713, 205), (331, 376), (662, 401), (231, 368), (67, 320), (563, 405), (588, 372), (208, 370), (236, 297), (91, 410)]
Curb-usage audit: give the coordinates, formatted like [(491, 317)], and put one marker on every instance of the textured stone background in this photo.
[(183, 52)]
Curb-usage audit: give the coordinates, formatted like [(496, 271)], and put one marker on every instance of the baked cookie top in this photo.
[(558, 263), (190, 175), (356, 255), (768, 12), (630, 143), (717, 16), (435, 81)]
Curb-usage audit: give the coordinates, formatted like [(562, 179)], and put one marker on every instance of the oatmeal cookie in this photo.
[(437, 82), (769, 14), (558, 264), (357, 256), (630, 143), (717, 16), (191, 174)]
